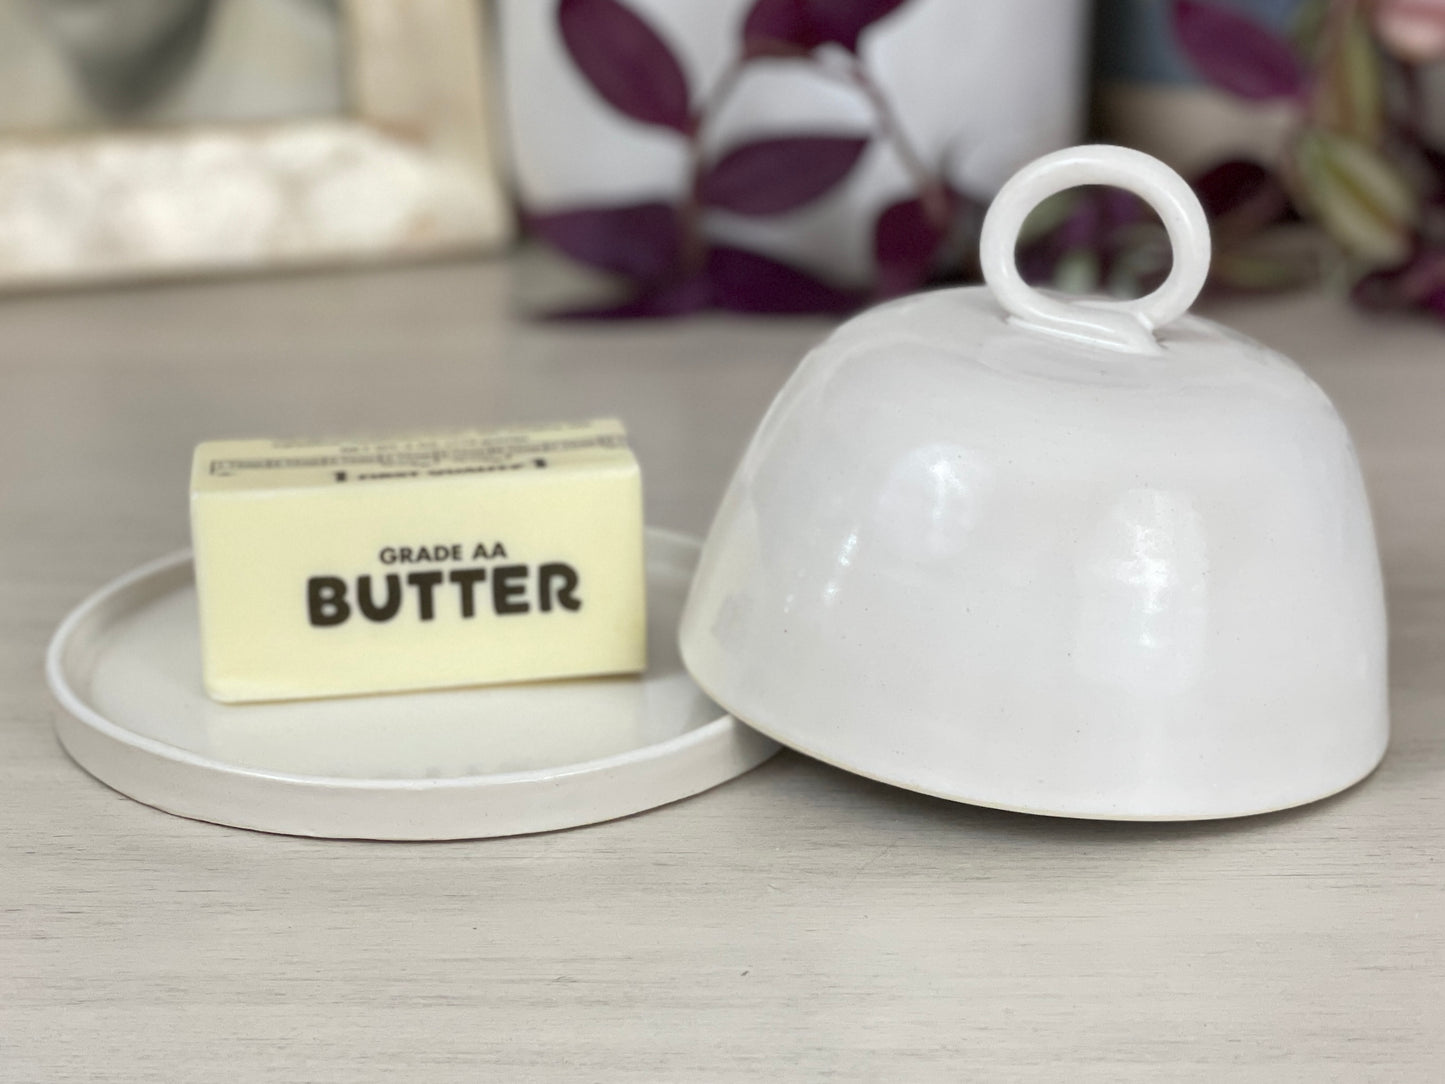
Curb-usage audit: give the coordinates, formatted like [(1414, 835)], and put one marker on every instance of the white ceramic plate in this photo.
[(455, 764)]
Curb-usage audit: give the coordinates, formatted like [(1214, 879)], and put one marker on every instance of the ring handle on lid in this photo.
[(1119, 325)]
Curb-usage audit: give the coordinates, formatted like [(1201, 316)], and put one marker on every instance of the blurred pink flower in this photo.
[(1414, 30)]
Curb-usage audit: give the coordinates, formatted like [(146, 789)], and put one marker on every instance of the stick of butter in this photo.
[(329, 568)]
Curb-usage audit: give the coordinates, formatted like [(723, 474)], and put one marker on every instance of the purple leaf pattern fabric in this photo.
[(1237, 53), (905, 241), (803, 25), (773, 176), (641, 241), (626, 61), (748, 282)]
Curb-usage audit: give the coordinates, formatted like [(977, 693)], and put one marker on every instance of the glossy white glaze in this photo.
[(1024, 571), (1126, 325)]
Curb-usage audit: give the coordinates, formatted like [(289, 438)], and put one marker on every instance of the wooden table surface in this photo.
[(798, 923)]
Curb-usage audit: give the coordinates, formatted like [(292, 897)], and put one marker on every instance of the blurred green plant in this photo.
[(1358, 163)]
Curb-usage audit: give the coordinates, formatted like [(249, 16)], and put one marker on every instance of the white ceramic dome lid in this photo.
[(1081, 557)]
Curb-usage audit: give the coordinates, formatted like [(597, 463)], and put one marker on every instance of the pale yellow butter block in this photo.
[(330, 568)]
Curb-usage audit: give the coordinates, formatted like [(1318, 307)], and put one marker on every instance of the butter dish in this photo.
[(453, 764)]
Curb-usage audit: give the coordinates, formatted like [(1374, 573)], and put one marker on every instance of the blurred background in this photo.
[(747, 155)]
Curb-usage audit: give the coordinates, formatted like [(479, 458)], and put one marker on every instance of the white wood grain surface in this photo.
[(798, 923)]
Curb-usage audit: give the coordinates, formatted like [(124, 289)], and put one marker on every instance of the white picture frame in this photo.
[(409, 170)]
